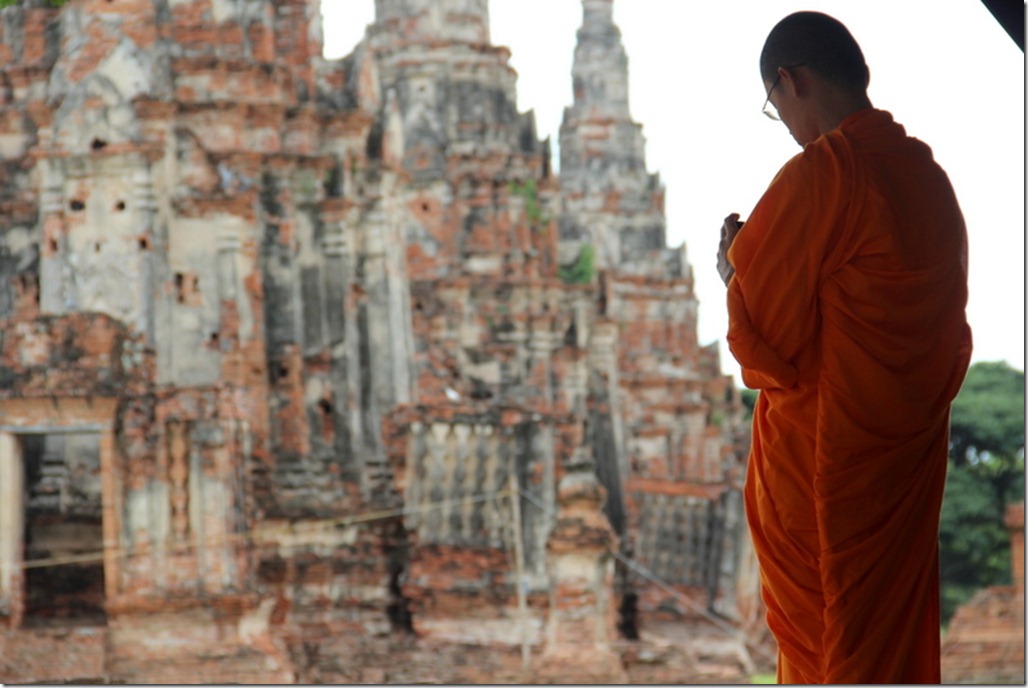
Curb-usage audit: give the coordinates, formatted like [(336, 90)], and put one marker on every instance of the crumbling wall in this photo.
[(180, 247), (458, 469), (670, 446), (985, 639), (320, 320)]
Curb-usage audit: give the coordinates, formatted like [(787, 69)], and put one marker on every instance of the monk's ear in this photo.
[(794, 81)]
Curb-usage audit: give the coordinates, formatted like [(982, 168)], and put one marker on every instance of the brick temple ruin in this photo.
[(984, 643), (281, 336)]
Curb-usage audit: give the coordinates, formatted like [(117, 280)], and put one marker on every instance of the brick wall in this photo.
[(985, 639), (320, 319)]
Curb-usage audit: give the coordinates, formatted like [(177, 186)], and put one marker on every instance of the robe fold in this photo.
[(847, 312)]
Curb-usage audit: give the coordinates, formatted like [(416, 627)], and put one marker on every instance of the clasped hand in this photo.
[(729, 230)]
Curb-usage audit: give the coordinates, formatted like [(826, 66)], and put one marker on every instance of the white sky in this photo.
[(944, 68)]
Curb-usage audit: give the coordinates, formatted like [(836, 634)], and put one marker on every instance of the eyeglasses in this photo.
[(769, 108)]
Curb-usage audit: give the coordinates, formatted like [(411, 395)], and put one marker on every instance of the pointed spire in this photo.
[(611, 202), (601, 147), (600, 68)]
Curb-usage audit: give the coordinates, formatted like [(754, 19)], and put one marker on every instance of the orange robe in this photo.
[(847, 312)]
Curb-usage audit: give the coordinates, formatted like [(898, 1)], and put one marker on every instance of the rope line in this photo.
[(304, 532), (660, 583), (297, 532)]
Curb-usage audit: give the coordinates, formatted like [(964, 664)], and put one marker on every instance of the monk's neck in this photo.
[(834, 109)]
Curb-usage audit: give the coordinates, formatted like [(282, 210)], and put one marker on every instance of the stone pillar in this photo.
[(386, 348), (541, 344), (229, 247), (343, 336), (582, 625), (374, 317), (603, 346), (233, 312), (603, 358), (12, 525), (337, 278), (389, 330), (53, 270), (144, 204)]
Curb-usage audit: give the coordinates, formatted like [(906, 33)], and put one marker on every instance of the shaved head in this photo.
[(819, 42)]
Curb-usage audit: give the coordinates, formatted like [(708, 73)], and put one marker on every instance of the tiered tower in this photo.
[(610, 201), (663, 453), (285, 340)]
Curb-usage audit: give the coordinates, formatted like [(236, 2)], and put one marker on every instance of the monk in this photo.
[(847, 288)]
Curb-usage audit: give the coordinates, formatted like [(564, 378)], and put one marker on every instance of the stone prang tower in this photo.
[(610, 200), (313, 371), (662, 454)]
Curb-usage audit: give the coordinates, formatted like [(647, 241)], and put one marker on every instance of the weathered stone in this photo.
[(985, 639), (316, 319)]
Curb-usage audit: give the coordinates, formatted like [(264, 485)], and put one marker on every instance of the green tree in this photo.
[(986, 473), (987, 423)]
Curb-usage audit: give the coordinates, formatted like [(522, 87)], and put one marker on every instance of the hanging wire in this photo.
[(311, 530), (644, 572), (297, 533)]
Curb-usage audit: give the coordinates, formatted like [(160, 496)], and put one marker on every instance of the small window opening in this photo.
[(187, 288), (99, 144), (325, 406), (119, 206), (77, 205), (480, 390)]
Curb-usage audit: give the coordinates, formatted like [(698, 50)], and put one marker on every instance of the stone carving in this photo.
[(327, 319)]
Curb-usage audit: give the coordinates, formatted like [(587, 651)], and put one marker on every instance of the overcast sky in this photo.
[(944, 68)]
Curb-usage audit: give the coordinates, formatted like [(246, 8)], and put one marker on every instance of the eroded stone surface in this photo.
[(316, 319), (985, 639)]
